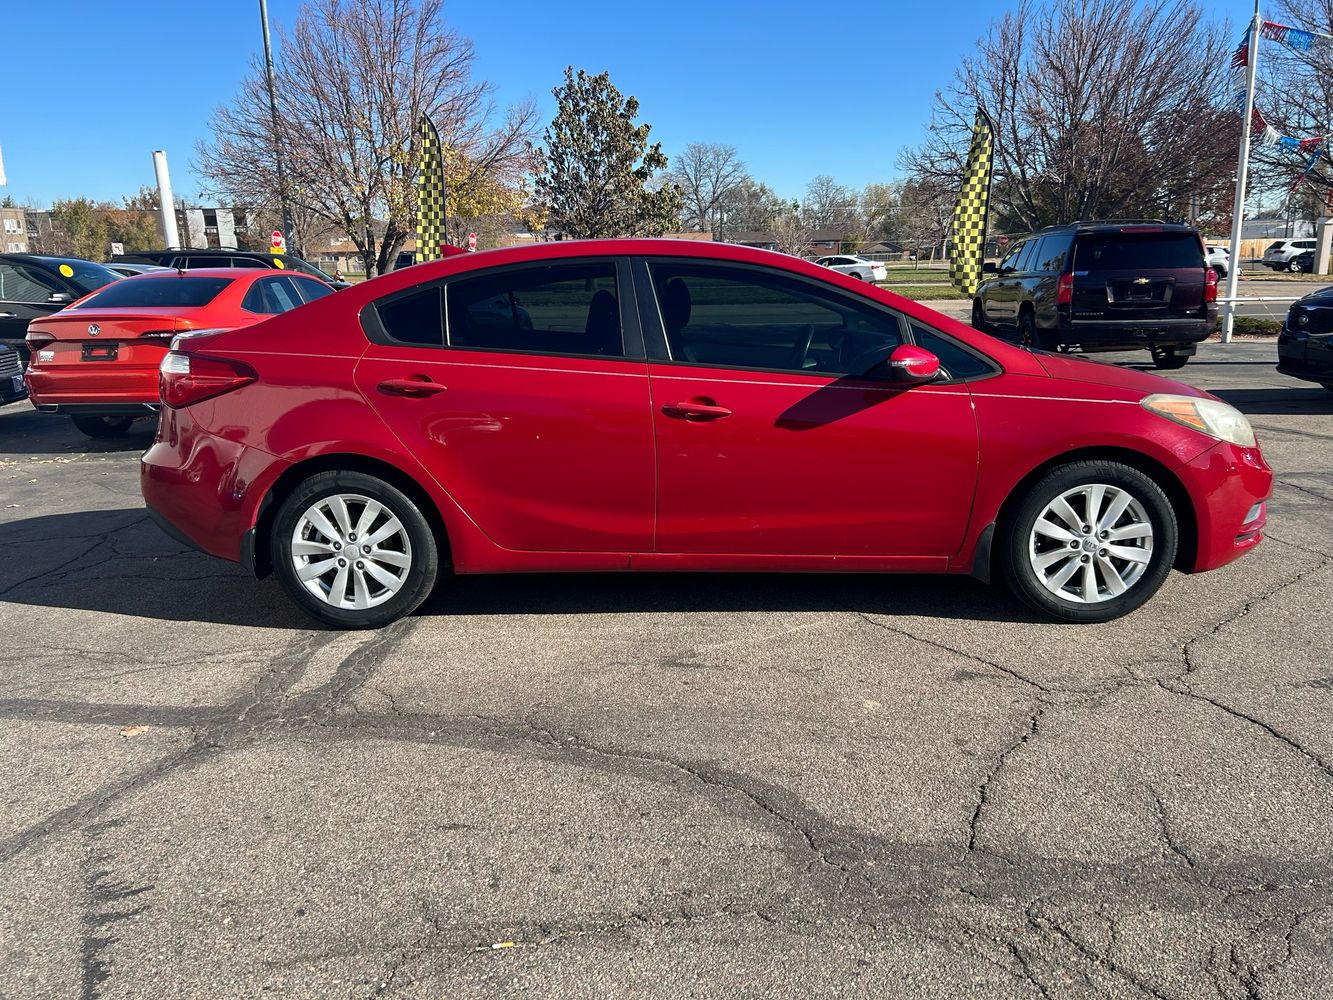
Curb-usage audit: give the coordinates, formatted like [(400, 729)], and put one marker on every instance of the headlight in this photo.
[(1207, 416)]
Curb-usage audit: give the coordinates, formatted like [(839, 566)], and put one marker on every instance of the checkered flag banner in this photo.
[(431, 206), (968, 231)]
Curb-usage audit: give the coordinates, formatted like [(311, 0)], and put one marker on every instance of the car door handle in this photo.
[(415, 388), (695, 411), (9, 315)]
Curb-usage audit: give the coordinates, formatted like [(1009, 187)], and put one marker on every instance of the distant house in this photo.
[(14, 223), (818, 243)]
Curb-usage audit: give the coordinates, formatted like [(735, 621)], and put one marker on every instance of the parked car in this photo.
[(1303, 261), (855, 267), (1218, 258), (98, 360), (35, 285), (12, 386), (1281, 255), (1305, 343), (183, 259), (126, 270), (1103, 286), (676, 405)]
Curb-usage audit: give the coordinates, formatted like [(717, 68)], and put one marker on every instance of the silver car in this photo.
[(1281, 256), (855, 267)]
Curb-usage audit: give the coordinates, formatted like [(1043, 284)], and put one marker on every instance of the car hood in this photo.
[(1136, 382)]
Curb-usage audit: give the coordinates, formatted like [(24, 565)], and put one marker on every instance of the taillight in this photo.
[(36, 339), (1064, 290), (1209, 285), (186, 379), (162, 336)]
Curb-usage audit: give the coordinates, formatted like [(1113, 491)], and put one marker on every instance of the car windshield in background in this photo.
[(295, 264), (1137, 251), (155, 292), (86, 274)]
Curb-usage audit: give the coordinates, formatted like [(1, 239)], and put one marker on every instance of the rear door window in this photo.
[(1137, 251), (311, 289), (272, 295), (569, 308)]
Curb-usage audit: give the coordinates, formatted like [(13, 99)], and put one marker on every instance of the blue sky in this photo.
[(799, 88)]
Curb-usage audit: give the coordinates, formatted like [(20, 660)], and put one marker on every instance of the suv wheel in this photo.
[(1168, 358), (101, 427), (353, 551), (1294, 266), (1090, 541), (1027, 330)]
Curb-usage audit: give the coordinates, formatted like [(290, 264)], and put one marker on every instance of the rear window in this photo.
[(1137, 251), (173, 291)]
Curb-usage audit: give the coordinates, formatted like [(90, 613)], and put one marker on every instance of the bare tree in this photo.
[(790, 232), (749, 206), (1102, 109), (707, 175), (829, 205), (353, 79)]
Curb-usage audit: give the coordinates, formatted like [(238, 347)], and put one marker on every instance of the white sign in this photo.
[(117, 249)]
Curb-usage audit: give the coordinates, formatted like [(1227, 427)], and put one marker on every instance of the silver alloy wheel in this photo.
[(1091, 544), (351, 551)]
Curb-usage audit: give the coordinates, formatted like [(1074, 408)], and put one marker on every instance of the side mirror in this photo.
[(909, 363), (989, 267)]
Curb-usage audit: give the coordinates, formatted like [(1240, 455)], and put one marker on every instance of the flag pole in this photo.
[(1242, 176)]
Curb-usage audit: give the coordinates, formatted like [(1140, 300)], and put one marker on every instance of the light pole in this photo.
[(273, 111)]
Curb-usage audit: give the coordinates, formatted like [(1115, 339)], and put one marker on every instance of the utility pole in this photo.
[(277, 144), (1242, 175), (170, 237)]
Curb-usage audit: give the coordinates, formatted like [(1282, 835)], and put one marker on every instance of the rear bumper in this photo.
[(93, 385), (1229, 486), (1303, 356), (1136, 334)]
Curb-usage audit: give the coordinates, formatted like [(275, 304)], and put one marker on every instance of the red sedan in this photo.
[(671, 405), (97, 360)]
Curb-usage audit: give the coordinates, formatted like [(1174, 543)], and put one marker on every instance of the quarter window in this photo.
[(748, 318), (415, 318), (551, 309)]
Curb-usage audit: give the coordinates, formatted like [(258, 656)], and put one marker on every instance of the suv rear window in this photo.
[(173, 291), (1137, 251)]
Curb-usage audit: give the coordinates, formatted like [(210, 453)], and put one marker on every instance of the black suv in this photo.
[(1103, 286), (225, 257)]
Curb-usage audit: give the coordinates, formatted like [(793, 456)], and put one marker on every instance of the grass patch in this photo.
[(925, 293), (1256, 326)]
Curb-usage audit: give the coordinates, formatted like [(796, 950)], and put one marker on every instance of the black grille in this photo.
[(9, 364)]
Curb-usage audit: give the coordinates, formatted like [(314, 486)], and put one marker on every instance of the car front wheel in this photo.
[(1294, 267), (1089, 542), (353, 551)]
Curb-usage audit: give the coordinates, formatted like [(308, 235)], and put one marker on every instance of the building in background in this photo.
[(14, 230)]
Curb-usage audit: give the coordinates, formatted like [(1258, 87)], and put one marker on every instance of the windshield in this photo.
[(84, 273), (155, 292), (1137, 251)]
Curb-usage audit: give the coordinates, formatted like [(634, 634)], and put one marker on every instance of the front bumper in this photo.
[(1305, 356), (1229, 486)]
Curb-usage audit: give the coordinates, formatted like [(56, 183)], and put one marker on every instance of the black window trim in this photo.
[(631, 334), (654, 329)]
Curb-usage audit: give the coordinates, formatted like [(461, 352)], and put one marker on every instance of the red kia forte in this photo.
[(672, 405), (97, 360)]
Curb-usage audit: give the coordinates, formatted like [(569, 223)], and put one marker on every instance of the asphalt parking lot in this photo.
[(660, 786)]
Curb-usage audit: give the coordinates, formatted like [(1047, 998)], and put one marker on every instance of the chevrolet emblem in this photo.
[(93, 329), (1140, 281)]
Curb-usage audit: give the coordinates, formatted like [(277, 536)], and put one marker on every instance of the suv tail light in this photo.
[(1209, 285), (1064, 289), (186, 379), (36, 339)]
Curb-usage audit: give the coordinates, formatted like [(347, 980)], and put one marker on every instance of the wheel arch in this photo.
[(1181, 503), (294, 475)]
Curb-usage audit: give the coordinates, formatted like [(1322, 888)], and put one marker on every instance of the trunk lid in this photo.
[(127, 336)]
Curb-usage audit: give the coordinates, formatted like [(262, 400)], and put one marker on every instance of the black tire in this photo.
[(102, 427), (1027, 330), (1294, 267), (417, 582), (1016, 532), (857, 275), (1220, 271), (979, 317), (1168, 358)]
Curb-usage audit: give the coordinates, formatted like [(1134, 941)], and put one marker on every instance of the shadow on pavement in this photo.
[(119, 562), (27, 432), (1315, 400)]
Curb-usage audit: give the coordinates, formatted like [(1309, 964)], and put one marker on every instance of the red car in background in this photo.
[(98, 359), (672, 405)]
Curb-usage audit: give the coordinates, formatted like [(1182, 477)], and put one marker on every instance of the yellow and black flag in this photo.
[(432, 207), (968, 232)]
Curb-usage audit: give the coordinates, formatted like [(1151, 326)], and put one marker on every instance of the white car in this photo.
[(1281, 256), (1218, 258), (856, 267)]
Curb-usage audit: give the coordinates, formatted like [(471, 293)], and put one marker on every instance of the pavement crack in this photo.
[(1172, 844), (984, 789)]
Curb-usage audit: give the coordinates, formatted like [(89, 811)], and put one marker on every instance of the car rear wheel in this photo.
[(1294, 267), (101, 427), (1027, 330), (353, 551), (1090, 541), (1168, 358)]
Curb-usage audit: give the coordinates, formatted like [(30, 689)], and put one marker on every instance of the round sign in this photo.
[(66, 270), (1004, 240)]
